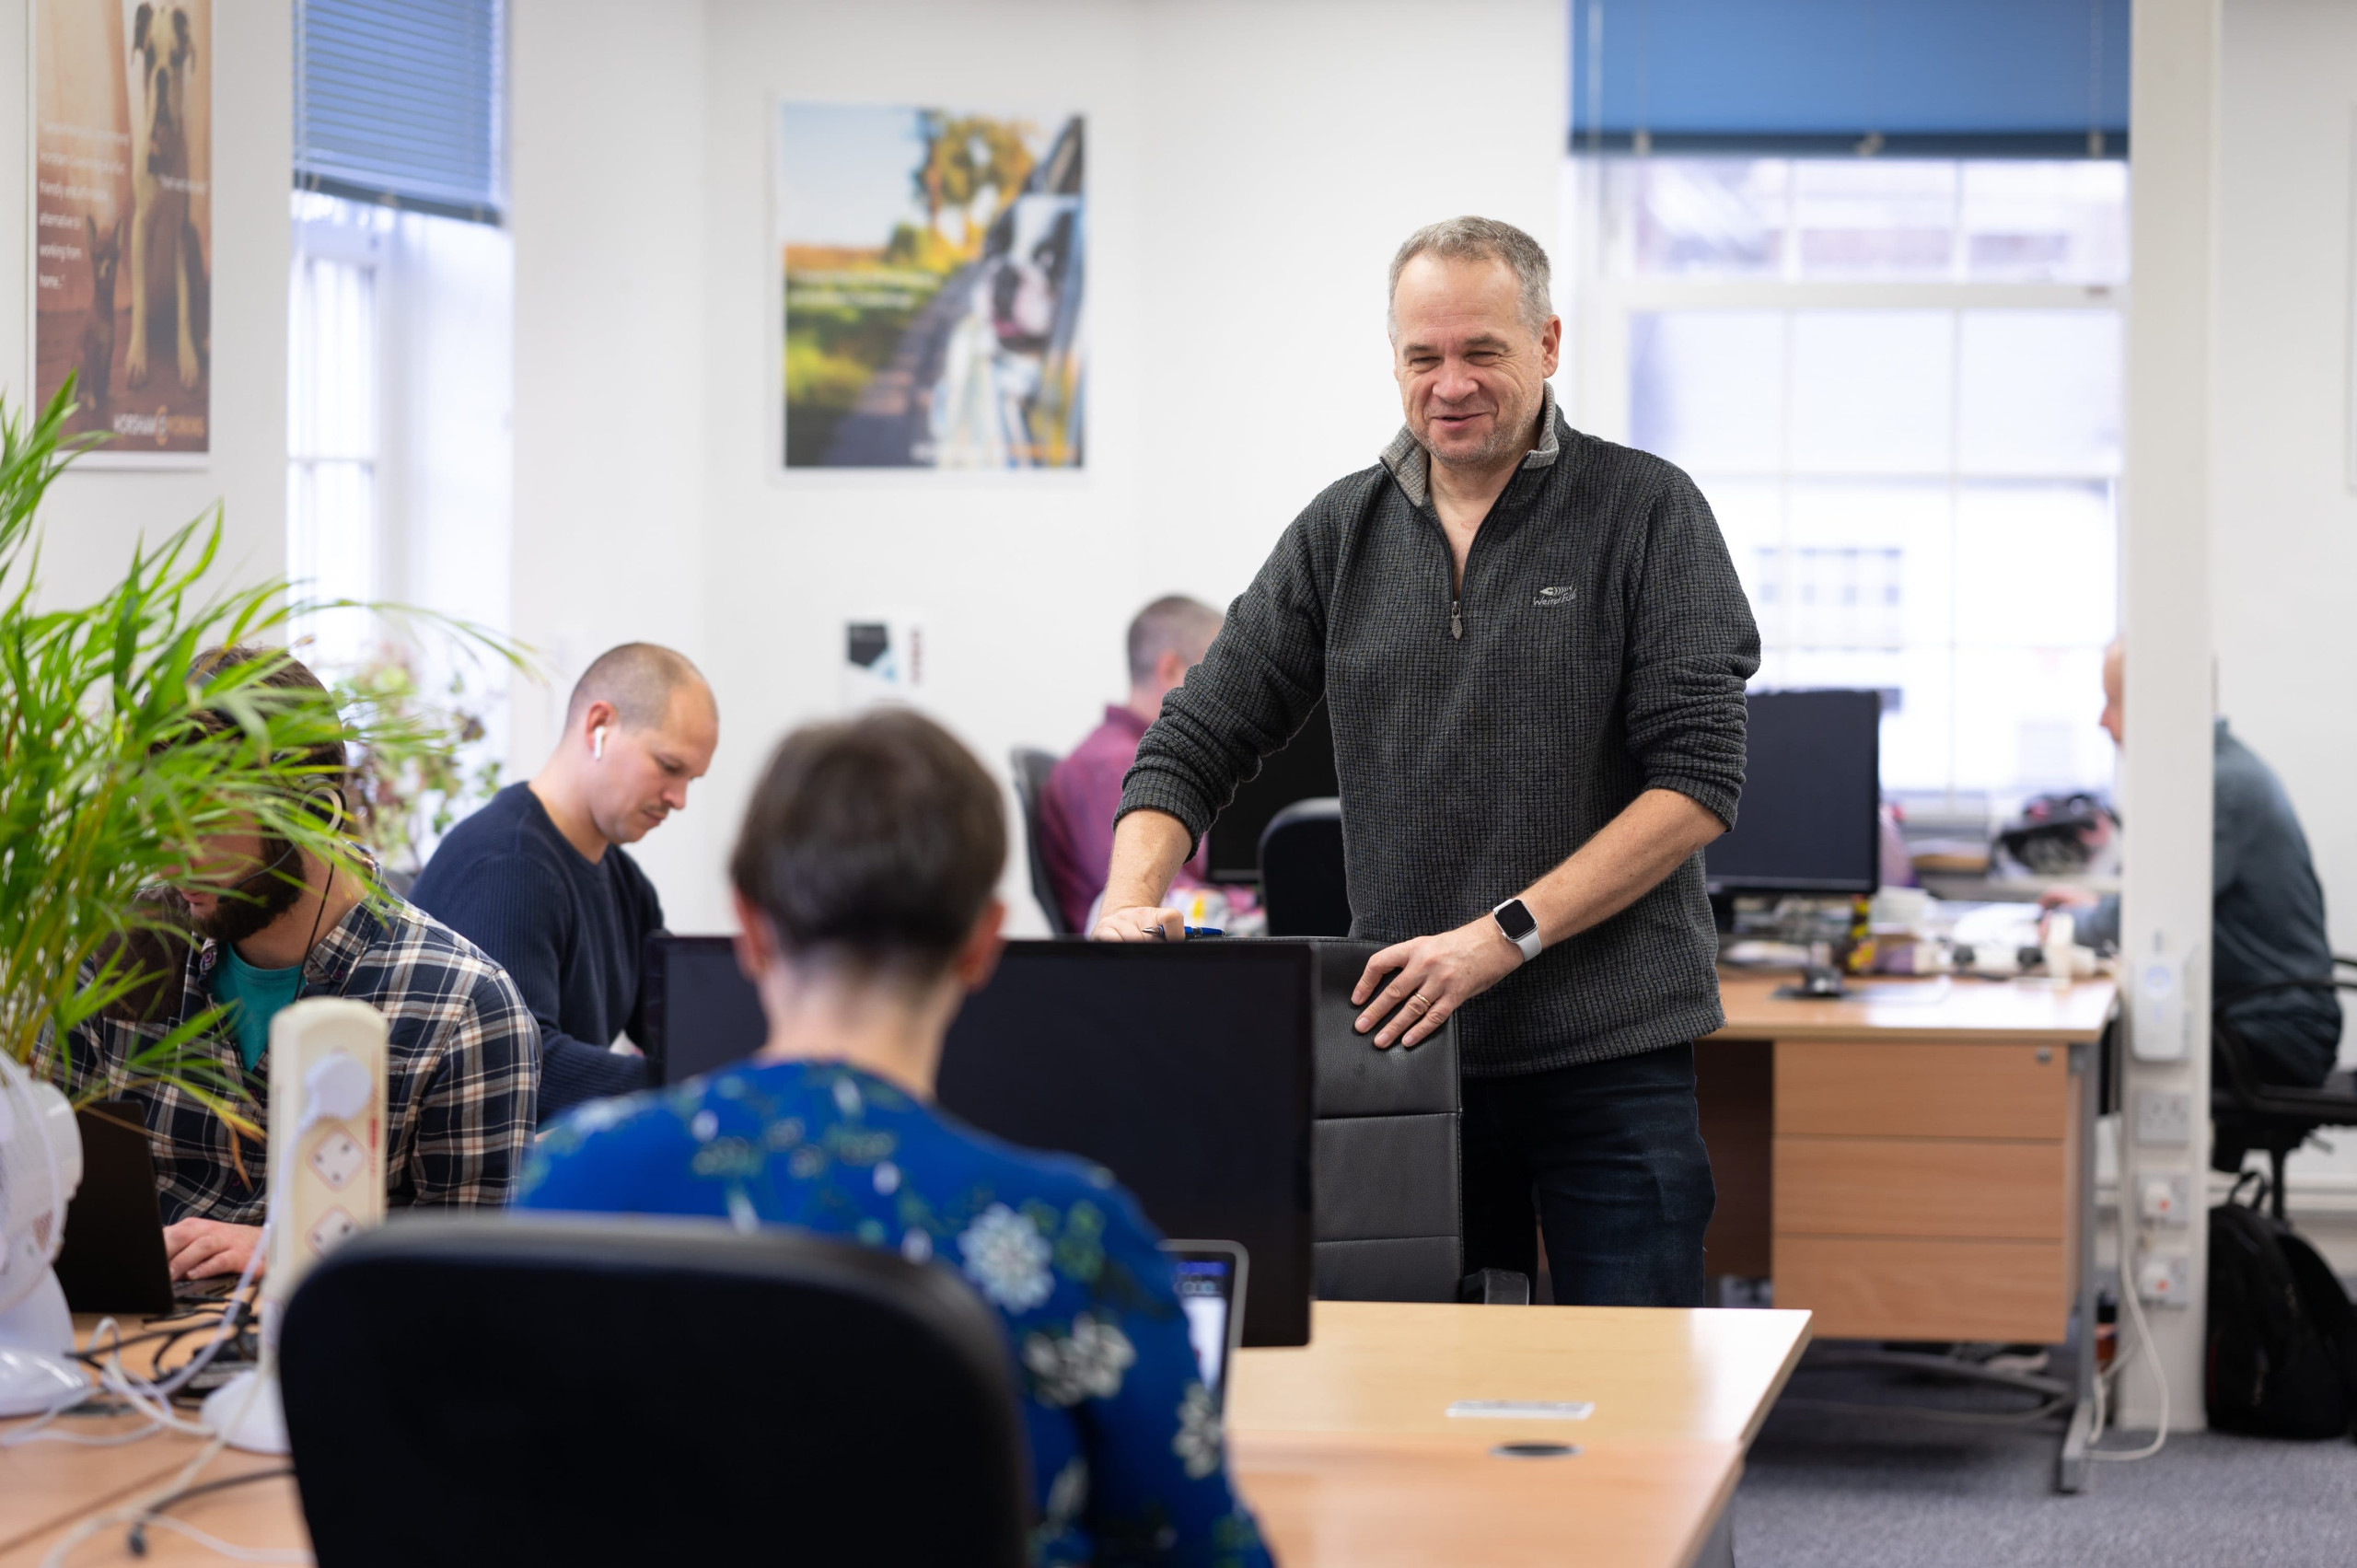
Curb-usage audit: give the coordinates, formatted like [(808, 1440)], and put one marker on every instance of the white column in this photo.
[(2165, 771)]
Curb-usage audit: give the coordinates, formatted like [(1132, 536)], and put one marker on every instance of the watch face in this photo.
[(1515, 919)]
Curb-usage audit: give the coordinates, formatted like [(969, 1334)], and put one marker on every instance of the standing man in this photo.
[(539, 877), (1533, 649), (1083, 796)]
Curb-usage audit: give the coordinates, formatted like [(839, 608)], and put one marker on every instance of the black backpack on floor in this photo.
[(2282, 1357)]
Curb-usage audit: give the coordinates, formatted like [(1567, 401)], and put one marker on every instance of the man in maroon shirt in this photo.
[(1168, 638)]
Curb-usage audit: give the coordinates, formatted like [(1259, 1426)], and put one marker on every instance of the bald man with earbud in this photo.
[(539, 879)]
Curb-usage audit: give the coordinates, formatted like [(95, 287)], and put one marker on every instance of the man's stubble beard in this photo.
[(259, 898), (1512, 435)]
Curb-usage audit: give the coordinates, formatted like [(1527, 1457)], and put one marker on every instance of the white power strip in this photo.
[(327, 1182), (326, 1133)]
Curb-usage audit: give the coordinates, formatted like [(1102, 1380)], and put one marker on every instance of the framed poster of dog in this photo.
[(122, 224), (933, 268)]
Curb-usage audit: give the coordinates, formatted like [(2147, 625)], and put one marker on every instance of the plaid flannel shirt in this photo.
[(462, 1071)]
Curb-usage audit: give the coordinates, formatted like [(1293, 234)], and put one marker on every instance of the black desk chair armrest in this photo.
[(1494, 1287)]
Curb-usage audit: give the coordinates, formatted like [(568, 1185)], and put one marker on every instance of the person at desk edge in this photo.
[(539, 878), (2267, 907), (1533, 649), (271, 924), (1084, 791), (864, 878)]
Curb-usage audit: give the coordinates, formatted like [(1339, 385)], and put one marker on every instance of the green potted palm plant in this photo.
[(110, 774)]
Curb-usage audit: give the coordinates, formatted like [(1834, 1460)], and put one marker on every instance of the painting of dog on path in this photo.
[(932, 262), (122, 222)]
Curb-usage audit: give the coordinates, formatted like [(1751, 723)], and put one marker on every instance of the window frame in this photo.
[(368, 250), (1604, 303)]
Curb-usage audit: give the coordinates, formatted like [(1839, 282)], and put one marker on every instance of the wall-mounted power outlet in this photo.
[(2164, 1279), (2164, 1118), (2165, 1200)]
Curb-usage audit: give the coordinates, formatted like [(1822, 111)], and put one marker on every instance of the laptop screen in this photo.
[(1209, 1278)]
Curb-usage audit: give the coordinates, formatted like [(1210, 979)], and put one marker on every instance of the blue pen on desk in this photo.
[(1186, 931)]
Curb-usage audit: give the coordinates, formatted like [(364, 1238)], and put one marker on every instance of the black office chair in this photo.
[(1390, 1223), (1302, 884), (2251, 1114), (590, 1389), (1031, 768)]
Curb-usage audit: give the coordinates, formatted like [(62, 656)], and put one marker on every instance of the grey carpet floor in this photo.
[(1835, 1489)]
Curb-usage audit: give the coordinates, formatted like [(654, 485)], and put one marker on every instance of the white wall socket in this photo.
[(2164, 1117), (2165, 1200), (2164, 1279)]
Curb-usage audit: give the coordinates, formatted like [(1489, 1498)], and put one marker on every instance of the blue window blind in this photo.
[(403, 101), (2037, 78)]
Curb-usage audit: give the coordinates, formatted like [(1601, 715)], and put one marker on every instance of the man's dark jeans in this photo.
[(1611, 1154)]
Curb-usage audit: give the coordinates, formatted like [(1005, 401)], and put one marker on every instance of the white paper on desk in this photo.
[(1521, 1410)]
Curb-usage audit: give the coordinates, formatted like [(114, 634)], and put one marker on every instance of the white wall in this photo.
[(2284, 549), (1294, 145), (1020, 580), (1250, 168), (606, 171), (93, 518)]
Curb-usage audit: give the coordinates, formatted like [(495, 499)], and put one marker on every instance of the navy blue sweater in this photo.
[(571, 933)]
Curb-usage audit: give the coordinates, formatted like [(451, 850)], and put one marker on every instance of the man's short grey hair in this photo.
[(637, 678), (1482, 239), (1175, 624)]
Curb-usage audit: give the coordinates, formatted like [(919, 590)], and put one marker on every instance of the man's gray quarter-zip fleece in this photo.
[(1597, 648)]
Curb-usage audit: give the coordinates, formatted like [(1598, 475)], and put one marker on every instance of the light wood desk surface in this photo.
[(266, 1515), (46, 1482), (1394, 1368), (1899, 1009), (1340, 1447)]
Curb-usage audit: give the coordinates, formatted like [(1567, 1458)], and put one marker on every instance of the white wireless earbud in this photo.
[(597, 743)]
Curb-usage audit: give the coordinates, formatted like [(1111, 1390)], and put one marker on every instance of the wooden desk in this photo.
[(1910, 1163), (1342, 1447), (1394, 1367)]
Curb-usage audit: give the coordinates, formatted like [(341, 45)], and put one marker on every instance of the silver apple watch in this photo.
[(1515, 924)]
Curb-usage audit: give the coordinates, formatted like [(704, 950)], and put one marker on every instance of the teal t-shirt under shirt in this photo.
[(255, 996)]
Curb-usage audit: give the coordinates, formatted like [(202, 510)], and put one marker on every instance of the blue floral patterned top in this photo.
[(1125, 1446)]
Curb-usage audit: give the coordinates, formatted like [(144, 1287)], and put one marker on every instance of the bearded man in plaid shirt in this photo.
[(462, 1057)]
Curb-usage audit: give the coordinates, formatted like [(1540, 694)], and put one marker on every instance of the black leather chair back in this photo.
[(1031, 768), (1384, 1150), (1302, 884), (587, 1389)]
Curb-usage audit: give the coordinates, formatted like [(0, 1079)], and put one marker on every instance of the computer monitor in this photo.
[(1185, 1070), (1812, 796), (699, 1011), (1303, 769)]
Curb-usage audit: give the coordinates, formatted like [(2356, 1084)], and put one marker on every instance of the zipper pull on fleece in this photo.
[(1455, 621)]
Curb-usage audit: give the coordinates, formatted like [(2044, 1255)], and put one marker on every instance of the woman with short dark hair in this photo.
[(865, 876)]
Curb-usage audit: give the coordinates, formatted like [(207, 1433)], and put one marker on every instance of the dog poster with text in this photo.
[(931, 262), (122, 222)]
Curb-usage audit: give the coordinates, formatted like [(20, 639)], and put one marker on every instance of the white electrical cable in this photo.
[(151, 1400), (216, 1544), (142, 1512), (2152, 1354)]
